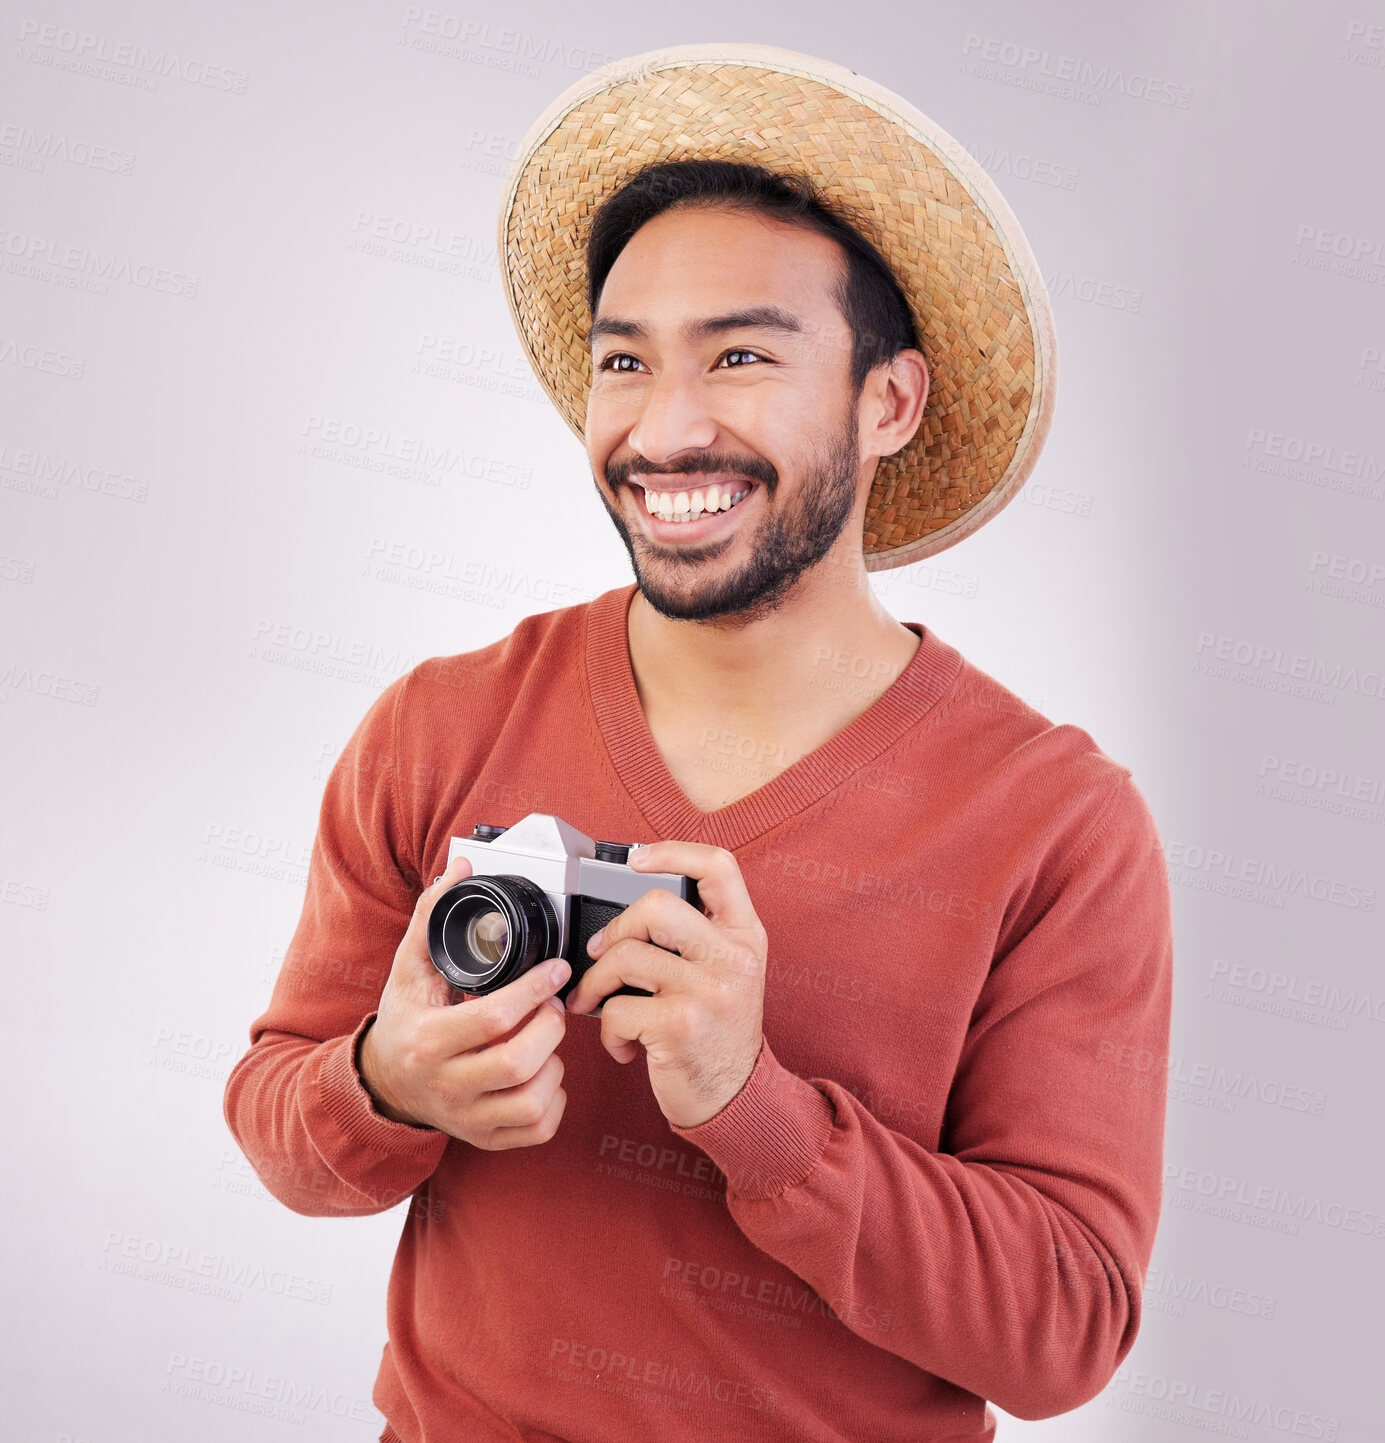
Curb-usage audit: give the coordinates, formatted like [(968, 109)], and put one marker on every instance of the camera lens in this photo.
[(487, 936), (485, 931)]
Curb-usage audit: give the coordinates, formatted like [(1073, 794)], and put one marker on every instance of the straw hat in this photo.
[(977, 295)]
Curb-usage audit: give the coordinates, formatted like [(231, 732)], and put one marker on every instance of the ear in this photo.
[(895, 394)]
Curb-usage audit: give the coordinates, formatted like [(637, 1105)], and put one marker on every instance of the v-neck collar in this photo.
[(645, 775)]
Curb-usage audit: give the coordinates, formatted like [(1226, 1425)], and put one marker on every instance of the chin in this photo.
[(739, 597)]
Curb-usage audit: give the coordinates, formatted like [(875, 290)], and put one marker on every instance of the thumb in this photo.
[(413, 974)]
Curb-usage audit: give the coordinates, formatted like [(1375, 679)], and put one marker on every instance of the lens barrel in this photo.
[(485, 931)]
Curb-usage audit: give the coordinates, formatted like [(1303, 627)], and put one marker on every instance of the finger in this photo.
[(721, 889), (534, 1133), (514, 1060), (413, 968), (633, 963), (668, 922), (524, 1105), (481, 1021), (459, 1075), (624, 1023)]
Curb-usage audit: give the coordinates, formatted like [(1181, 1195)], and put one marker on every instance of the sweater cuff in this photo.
[(344, 1099), (771, 1135)]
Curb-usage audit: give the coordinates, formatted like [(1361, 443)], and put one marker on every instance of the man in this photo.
[(861, 1161)]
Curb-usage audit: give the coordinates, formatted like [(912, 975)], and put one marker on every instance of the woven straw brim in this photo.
[(977, 296)]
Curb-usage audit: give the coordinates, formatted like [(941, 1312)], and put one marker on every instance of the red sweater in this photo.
[(938, 1186)]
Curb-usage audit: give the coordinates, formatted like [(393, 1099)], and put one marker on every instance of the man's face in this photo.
[(721, 365)]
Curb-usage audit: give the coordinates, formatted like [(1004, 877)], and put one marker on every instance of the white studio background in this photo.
[(266, 441)]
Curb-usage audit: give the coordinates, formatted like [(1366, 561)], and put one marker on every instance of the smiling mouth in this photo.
[(688, 504)]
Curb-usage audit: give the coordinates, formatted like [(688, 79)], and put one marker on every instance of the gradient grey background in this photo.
[(273, 460)]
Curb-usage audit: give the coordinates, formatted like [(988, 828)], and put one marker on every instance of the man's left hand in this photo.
[(701, 1029)]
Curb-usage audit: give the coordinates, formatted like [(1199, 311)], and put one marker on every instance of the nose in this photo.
[(673, 419)]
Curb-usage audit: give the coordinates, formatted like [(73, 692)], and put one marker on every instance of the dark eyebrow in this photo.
[(765, 318)]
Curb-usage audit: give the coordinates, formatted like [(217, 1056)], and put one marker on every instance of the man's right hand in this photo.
[(476, 1070)]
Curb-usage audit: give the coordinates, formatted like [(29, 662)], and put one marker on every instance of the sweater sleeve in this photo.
[(295, 1101), (1011, 1261)]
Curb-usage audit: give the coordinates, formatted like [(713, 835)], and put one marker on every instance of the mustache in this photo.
[(709, 463)]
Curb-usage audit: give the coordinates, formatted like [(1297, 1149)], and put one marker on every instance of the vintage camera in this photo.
[(538, 889)]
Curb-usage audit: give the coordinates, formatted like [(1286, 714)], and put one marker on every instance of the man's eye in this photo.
[(609, 363), (617, 359)]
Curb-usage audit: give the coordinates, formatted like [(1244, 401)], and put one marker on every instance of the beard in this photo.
[(678, 581)]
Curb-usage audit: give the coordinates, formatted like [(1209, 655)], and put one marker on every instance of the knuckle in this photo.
[(550, 1123), (415, 1049), (691, 1015), (680, 1017), (530, 1109), (492, 1022), (616, 950), (510, 1066)]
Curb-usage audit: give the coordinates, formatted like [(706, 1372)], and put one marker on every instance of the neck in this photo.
[(819, 659)]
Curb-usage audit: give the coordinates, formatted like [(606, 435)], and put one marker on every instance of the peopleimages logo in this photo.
[(179, 1266), (1176, 1291), (26, 469), (54, 685), (45, 359), (1288, 995), (306, 648), (677, 1378), (46, 258), (31, 148), (520, 47), (1263, 879), (1204, 1083), (1072, 76), (1311, 777), (1270, 667), (1319, 463), (1180, 1401), (106, 57), (1226, 1196), (267, 1395)]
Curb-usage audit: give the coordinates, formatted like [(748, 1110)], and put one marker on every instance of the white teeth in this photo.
[(680, 506)]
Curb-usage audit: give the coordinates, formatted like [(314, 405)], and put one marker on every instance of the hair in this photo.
[(868, 295)]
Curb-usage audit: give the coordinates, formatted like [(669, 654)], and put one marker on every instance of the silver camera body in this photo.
[(537, 889)]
